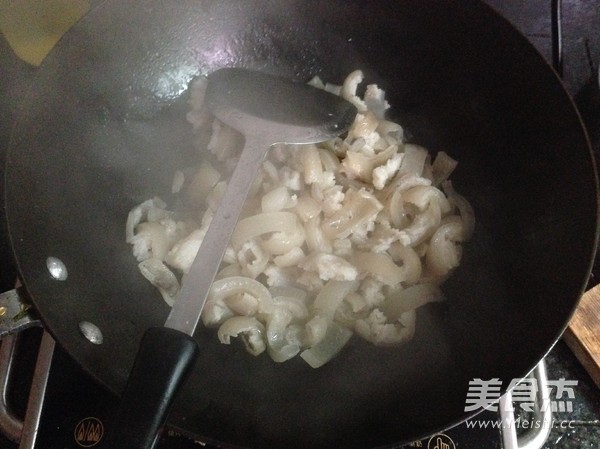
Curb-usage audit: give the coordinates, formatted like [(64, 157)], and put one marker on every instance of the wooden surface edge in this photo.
[(582, 335)]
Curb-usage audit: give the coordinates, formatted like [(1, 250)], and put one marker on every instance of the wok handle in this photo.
[(163, 361)]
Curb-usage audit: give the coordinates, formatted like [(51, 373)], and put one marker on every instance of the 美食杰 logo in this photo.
[(484, 394)]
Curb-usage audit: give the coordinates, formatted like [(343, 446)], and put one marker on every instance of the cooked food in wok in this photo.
[(349, 236)]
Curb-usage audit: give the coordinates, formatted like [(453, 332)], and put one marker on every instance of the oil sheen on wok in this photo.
[(346, 237)]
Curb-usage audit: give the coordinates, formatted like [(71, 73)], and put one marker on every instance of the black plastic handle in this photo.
[(163, 361)]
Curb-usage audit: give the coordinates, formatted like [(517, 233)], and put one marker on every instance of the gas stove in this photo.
[(48, 402)]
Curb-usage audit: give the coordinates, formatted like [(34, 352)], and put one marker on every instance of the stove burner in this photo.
[(47, 425)]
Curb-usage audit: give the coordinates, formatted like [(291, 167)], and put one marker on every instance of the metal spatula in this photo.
[(266, 110)]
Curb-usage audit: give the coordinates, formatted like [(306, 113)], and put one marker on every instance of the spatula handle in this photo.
[(163, 361)]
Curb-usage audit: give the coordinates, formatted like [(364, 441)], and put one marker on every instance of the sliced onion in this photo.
[(422, 196), (201, 184), (242, 304), (157, 238), (216, 311), (464, 207), (307, 207), (364, 125), (380, 266), (422, 227), (278, 199), (178, 180), (409, 299), (329, 160), (311, 161), (290, 346), (228, 271), (277, 322), (183, 253), (359, 207), (404, 182), (292, 258), (297, 307), (375, 100), (358, 165), (444, 252), (442, 167), (279, 243), (331, 296), (398, 213), (252, 331), (348, 91), (315, 237), (387, 127), (161, 277), (315, 81), (263, 223), (284, 353), (315, 330), (138, 213), (225, 141), (356, 302), (252, 259), (335, 339), (223, 288), (409, 261), (288, 292), (413, 160), (215, 196)]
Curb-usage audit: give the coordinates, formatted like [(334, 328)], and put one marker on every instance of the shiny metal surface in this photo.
[(10, 425), (91, 332), (536, 436), (37, 393), (57, 268)]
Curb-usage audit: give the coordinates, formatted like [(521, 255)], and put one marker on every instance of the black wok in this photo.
[(101, 130)]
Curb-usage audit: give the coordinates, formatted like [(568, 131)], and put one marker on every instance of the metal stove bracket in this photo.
[(15, 314), (10, 425), (537, 435), (24, 432), (37, 392)]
